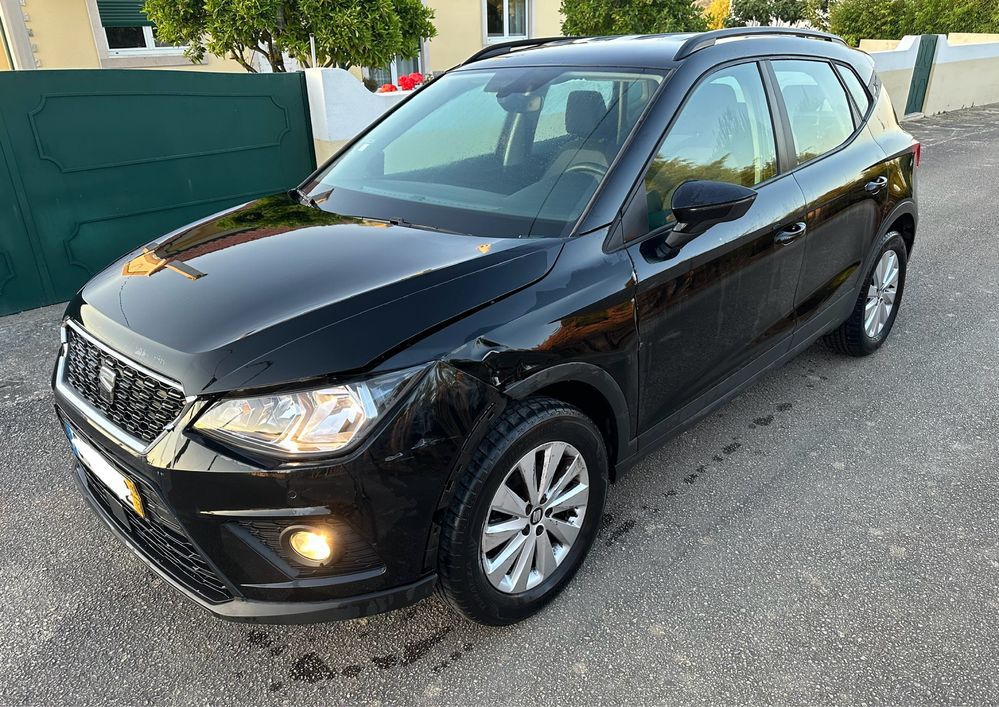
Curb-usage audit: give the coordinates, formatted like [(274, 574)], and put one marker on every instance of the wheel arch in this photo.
[(903, 218), (595, 392)]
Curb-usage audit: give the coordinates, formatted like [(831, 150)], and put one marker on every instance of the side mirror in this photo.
[(698, 205)]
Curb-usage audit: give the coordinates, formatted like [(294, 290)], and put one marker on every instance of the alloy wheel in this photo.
[(534, 517), (881, 294)]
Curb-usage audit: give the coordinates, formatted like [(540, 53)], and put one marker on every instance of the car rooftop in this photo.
[(654, 51)]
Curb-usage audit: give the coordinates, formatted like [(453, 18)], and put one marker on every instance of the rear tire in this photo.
[(877, 303), (507, 550)]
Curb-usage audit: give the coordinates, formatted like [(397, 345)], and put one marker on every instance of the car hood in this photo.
[(274, 291)]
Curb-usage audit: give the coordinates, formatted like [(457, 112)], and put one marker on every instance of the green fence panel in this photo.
[(921, 74), (95, 163)]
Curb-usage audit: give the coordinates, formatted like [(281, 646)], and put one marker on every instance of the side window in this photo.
[(817, 106), (855, 88), (723, 133)]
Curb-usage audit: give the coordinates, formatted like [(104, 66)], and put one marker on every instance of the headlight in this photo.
[(308, 422)]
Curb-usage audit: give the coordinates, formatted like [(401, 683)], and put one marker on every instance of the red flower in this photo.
[(387, 88), (406, 83), (417, 77)]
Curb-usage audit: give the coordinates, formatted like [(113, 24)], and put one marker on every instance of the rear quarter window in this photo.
[(856, 89)]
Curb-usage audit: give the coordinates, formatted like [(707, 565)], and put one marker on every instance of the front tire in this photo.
[(524, 514), (877, 304)]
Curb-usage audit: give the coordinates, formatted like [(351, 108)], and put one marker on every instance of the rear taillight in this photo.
[(917, 153)]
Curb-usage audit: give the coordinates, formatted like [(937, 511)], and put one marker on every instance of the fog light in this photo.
[(313, 547)]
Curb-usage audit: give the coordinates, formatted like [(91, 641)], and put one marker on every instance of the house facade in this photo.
[(95, 34), (466, 26)]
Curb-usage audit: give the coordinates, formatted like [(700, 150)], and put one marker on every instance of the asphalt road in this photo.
[(828, 537)]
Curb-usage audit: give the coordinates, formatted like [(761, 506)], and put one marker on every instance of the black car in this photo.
[(423, 367)]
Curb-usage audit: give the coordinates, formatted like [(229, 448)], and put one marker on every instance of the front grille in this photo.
[(160, 538), (140, 405)]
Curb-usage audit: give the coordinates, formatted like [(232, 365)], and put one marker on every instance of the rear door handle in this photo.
[(791, 233), (877, 185)]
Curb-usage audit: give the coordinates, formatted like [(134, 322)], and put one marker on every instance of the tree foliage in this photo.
[(717, 13), (893, 19), (767, 12), (347, 32), (854, 20), (600, 17), (817, 13)]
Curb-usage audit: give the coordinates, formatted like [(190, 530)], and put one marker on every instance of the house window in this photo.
[(506, 19), (129, 31), (129, 40), (392, 72)]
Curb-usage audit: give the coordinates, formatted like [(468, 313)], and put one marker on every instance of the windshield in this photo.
[(506, 152)]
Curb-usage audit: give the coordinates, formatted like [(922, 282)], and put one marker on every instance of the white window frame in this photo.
[(506, 36), (150, 48), (130, 58), (394, 67)]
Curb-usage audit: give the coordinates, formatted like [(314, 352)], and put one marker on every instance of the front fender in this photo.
[(588, 374)]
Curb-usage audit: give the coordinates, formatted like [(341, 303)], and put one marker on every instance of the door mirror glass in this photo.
[(699, 204)]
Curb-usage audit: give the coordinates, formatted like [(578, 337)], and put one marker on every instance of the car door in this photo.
[(727, 297), (843, 177)]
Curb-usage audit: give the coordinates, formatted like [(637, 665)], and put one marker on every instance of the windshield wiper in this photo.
[(299, 196), (409, 224), (305, 200)]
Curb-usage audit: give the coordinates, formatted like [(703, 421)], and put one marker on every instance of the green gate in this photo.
[(921, 74), (95, 163)]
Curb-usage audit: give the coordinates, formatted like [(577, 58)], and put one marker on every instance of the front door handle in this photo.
[(877, 185), (791, 233)]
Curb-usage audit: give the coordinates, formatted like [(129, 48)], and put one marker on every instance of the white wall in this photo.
[(894, 68), (963, 75), (340, 107), (965, 72)]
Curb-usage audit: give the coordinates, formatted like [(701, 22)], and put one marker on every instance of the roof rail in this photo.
[(506, 47), (708, 39)]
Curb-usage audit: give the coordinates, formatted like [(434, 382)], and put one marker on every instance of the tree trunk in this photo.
[(238, 56), (274, 56)]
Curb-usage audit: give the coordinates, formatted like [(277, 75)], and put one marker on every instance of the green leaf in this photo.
[(347, 32)]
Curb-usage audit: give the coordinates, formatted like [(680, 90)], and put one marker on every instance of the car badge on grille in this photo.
[(106, 377)]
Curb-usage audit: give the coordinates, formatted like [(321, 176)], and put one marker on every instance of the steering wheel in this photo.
[(592, 168)]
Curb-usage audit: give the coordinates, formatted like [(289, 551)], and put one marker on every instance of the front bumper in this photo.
[(270, 612), (211, 516)]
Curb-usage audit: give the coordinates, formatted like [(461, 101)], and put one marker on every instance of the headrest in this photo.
[(719, 96), (583, 112)]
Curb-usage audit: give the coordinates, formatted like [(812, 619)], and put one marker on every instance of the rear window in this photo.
[(856, 89), (817, 106)]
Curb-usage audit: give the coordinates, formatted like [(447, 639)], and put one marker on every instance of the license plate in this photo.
[(116, 482)]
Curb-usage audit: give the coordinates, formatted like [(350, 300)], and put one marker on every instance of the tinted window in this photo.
[(855, 88), (723, 133), (817, 106)]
